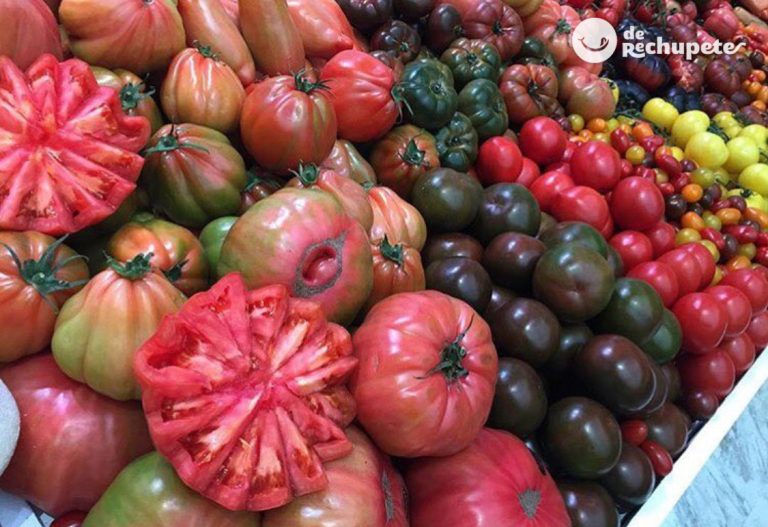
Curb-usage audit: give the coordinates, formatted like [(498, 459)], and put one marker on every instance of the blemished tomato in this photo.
[(235, 381), (98, 350), (741, 350), (396, 219), (753, 284), (705, 260), (403, 155), (499, 160), (662, 236), (596, 165), (712, 372), (303, 239), (580, 203), (69, 154), (634, 248), (547, 187), (637, 204), (427, 372), (543, 140), (703, 320), (60, 467), (361, 91), (495, 481), (661, 277), (529, 173), (37, 275), (288, 120), (29, 31), (736, 304)]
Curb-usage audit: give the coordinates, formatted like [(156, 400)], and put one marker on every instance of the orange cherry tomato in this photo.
[(692, 192), (729, 216), (596, 125), (691, 220), (738, 262), (758, 216), (641, 130)]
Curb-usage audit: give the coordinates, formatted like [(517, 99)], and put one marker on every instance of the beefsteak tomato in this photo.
[(135, 95), (29, 30), (347, 161), (272, 36), (492, 21), (396, 269), (586, 94), (403, 155), (324, 29), (472, 59), (396, 219)]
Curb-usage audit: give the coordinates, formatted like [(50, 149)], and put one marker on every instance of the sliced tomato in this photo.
[(244, 394)]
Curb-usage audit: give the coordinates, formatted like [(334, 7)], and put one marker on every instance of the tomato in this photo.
[(361, 89), (71, 519), (403, 155), (281, 383), (99, 351), (553, 24), (428, 355), (543, 140), (736, 304), (529, 173), (201, 89), (492, 21), (59, 467), (367, 16), (547, 187), (176, 252), (741, 351), (758, 330), (712, 372), (520, 401), (588, 504), (659, 275), (396, 219), (138, 36), (753, 284), (660, 459), (634, 311), (634, 248), (398, 39), (135, 95), (286, 121), (634, 431), (272, 37), (482, 102), (662, 236), (596, 165), (637, 204), (212, 238), (705, 260), (396, 269), (660, 112), (495, 481), (581, 203), (82, 167), (30, 31), (348, 162), (472, 59), (529, 90), (755, 178), (38, 274), (324, 29), (703, 320), (707, 150), (742, 153), (499, 160), (586, 94), (428, 94)]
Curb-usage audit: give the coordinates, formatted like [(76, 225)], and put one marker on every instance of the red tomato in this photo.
[(634, 431), (586, 94), (686, 267), (361, 91), (547, 187), (492, 21), (529, 173), (584, 204), (499, 161), (703, 320), (741, 350), (244, 394), (68, 150), (560, 166), (662, 236), (597, 165), (634, 248), (543, 140), (661, 277), (637, 204), (758, 330), (705, 260), (324, 29), (701, 405), (752, 283), (286, 121), (712, 372), (570, 149), (73, 441), (402, 156), (496, 481), (396, 219), (737, 306), (29, 31), (427, 372), (272, 36), (71, 519), (661, 460)]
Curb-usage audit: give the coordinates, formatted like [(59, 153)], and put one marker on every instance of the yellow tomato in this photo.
[(707, 150), (687, 125), (577, 122), (742, 152), (660, 112), (758, 133), (724, 119), (755, 177), (753, 199), (732, 131), (677, 153)]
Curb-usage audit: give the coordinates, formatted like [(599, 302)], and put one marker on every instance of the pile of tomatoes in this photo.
[(370, 263)]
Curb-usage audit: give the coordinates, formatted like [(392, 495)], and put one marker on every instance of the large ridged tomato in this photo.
[(396, 219), (135, 95), (397, 268), (29, 30)]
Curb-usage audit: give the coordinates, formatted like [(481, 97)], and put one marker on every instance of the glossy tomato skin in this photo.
[(737, 305), (712, 372), (669, 427), (758, 330), (637, 204), (461, 278), (27, 317), (402, 156), (546, 188), (664, 344), (324, 29), (584, 93), (705, 261), (450, 377), (448, 200), (361, 91), (543, 140), (529, 173), (71, 519), (347, 161), (492, 21), (495, 481), (575, 232), (30, 31), (511, 259), (588, 504), (632, 480), (686, 268), (428, 92), (472, 59), (148, 492), (752, 283), (520, 402), (135, 95), (499, 161), (661, 277), (212, 238), (506, 207), (634, 248), (286, 121), (396, 269), (524, 104), (703, 320), (394, 217), (584, 204), (662, 236), (596, 165), (272, 37), (303, 239), (634, 311), (452, 245), (526, 329), (741, 350), (100, 165), (73, 442)]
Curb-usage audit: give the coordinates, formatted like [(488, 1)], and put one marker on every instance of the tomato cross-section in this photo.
[(245, 394)]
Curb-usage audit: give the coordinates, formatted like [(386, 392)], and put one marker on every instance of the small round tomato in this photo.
[(546, 188), (543, 140), (703, 320), (712, 372), (635, 154), (499, 161), (529, 173), (633, 247), (742, 153), (741, 350), (687, 125), (583, 204), (661, 460), (705, 260), (634, 431), (661, 277), (736, 304), (662, 236), (637, 204), (597, 165), (758, 330), (753, 284), (686, 267)]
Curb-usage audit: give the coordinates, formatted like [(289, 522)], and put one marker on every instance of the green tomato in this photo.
[(742, 152), (482, 102), (660, 112), (428, 92), (758, 133), (212, 237), (687, 235), (748, 249), (687, 125), (712, 221), (457, 143), (704, 177), (707, 150), (755, 178)]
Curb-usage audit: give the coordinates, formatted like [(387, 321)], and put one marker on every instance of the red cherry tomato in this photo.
[(662, 236), (758, 330), (661, 460), (70, 519), (668, 164), (741, 350), (627, 169), (570, 148), (752, 283), (712, 372), (620, 140), (661, 277), (597, 165), (737, 306), (607, 229), (703, 321), (529, 173), (714, 236), (742, 233), (705, 260), (637, 204), (686, 267), (560, 166), (543, 140), (634, 248), (499, 161), (701, 405), (583, 204), (634, 431), (546, 188)]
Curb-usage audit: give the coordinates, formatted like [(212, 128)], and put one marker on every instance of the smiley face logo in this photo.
[(594, 40)]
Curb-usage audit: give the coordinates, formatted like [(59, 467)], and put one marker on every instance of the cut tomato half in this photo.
[(245, 394)]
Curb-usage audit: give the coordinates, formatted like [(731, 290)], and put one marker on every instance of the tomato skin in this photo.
[(402, 156), (758, 330), (491, 21), (78, 462), (361, 91), (585, 204), (753, 284), (71, 519), (26, 317), (712, 372), (543, 140), (484, 485), (324, 29), (396, 269), (661, 277), (596, 165), (741, 350), (395, 218), (30, 30), (272, 37), (522, 104), (499, 160), (634, 248), (138, 36), (703, 321), (736, 304), (705, 261), (661, 460), (348, 162), (584, 93), (662, 236), (135, 96), (452, 402), (637, 204), (547, 187), (529, 173), (287, 120), (634, 432), (687, 269)]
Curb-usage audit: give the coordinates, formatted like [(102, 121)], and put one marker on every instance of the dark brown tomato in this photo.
[(588, 504), (461, 278), (526, 329), (672, 375), (366, 15), (669, 427), (451, 245), (632, 479), (443, 27), (520, 401), (506, 207), (572, 339), (413, 10), (399, 38), (499, 297), (511, 258)]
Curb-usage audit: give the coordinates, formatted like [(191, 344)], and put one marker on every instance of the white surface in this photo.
[(9, 426)]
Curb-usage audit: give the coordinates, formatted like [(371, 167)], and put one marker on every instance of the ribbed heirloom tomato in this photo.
[(396, 219), (244, 394)]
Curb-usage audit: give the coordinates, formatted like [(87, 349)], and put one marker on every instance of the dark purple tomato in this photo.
[(399, 38), (413, 10), (461, 278), (506, 207), (588, 504), (511, 258), (701, 405), (366, 15), (674, 387), (660, 391), (525, 329), (573, 338), (443, 27), (575, 232), (499, 297), (451, 245), (520, 401), (631, 480), (635, 311), (669, 427)]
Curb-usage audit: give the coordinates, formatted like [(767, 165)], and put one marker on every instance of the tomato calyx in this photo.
[(205, 51), (303, 84), (451, 358), (307, 174), (170, 142), (134, 269), (392, 252), (174, 273), (563, 27), (41, 274), (132, 94), (413, 155), (529, 501)]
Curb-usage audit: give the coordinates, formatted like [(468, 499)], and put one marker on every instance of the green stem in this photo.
[(307, 174), (391, 252), (135, 269)]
